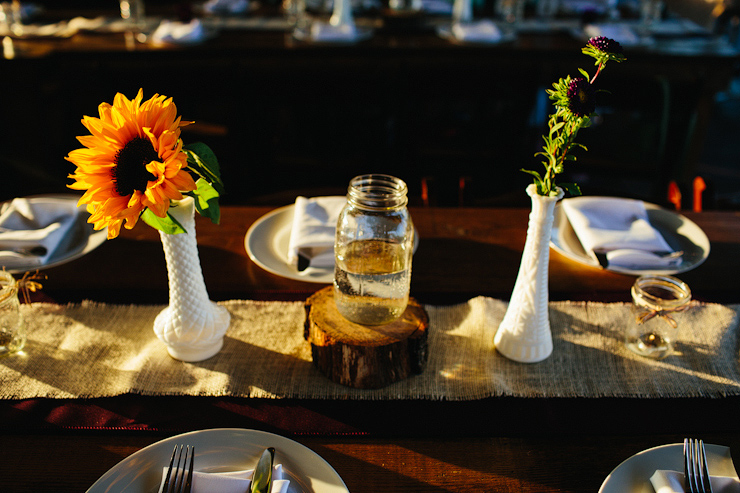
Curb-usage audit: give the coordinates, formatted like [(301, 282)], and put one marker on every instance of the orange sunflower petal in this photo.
[(112, 194)]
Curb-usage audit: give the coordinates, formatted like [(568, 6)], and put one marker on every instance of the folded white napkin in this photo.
[(226, 6), (313, 231), (231, 482), (323, 31), (621, 228), (618, 32), (178, 32), (32, 222), (483, 31), (672, 482)]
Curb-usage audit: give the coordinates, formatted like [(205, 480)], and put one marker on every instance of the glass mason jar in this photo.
[(655, 301), (12, 329), (373, 249)]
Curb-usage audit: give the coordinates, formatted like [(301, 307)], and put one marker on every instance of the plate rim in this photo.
[(168, 442), (588, 261), (92, 240), (714, 450)]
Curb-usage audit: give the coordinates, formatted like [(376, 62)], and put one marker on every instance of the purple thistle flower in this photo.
[(607, 45), (581, 97)]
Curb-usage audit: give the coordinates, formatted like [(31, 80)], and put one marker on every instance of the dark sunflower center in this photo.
[(582, 96), (130, 173)]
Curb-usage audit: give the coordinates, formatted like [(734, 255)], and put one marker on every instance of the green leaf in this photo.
[(203, 162), (556, 127), (533, 173), (206, 201), (165, 224), (572, 188), (584, 73)]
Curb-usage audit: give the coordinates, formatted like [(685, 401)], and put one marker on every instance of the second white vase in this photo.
[(524, 334)]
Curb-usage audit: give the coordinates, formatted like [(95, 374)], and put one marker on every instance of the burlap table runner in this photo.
[(97, 350)]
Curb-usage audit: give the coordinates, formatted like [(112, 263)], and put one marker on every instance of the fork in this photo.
[(179, 477), (696, 473)]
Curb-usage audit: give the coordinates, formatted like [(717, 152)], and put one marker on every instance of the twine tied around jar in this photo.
[(659, 296), (664, 314), (29, 282)]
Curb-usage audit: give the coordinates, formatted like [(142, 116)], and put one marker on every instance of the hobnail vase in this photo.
[(192, 326), (524, 333)]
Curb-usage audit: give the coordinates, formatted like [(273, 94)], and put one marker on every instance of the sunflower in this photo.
[(133, 159)]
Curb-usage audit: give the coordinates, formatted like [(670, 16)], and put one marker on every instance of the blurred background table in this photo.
[(285, 116), (492, 444)]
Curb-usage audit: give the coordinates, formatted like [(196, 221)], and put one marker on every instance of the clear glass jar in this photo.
[(373, 249), (655, 302), (12, 329)]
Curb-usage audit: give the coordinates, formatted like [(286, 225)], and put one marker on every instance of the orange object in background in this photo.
[(674, 195), (699, 187)]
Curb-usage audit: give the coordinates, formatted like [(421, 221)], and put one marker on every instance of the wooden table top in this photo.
[(495, 444), (462, 253)]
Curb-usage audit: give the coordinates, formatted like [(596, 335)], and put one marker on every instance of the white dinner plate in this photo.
[(633, 475), (82, 240), (680, 233), (361, 34), (267, 243), (223, 450), (445, 31)]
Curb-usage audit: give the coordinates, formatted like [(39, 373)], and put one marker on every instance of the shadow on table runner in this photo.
[(97, 350)]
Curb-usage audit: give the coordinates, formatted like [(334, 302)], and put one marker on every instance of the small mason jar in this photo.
[(373, 249), (655, 301), (12, 329)]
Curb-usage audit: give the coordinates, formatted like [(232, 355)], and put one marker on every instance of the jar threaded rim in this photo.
[(646, 291), (377, 192)]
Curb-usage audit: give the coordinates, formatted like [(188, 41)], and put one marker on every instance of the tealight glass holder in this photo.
[(12, 328), (656, 301)]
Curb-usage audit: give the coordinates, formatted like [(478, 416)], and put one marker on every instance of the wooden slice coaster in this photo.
[(365, 356)]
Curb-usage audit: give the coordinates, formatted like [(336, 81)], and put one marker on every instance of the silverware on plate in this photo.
[(35, 251), (179, 478), (262, 476), (696, 472)]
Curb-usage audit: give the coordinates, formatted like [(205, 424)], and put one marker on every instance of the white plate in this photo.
[(267, 245), (680, 233), (267, 242), (223, 450), (361, 34), (83, 239), (445, 31), (633, 475)]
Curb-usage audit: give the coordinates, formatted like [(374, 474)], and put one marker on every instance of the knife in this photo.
[(640, 258), (262, 476)]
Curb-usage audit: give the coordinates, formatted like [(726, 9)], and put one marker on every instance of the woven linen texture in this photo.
[(98, 350)]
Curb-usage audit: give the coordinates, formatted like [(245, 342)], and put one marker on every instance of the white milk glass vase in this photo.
[(192, 326), (524, 334), (462, 11), (342, 14)]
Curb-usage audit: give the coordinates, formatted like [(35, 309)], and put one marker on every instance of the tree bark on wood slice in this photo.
[(365, 356)]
